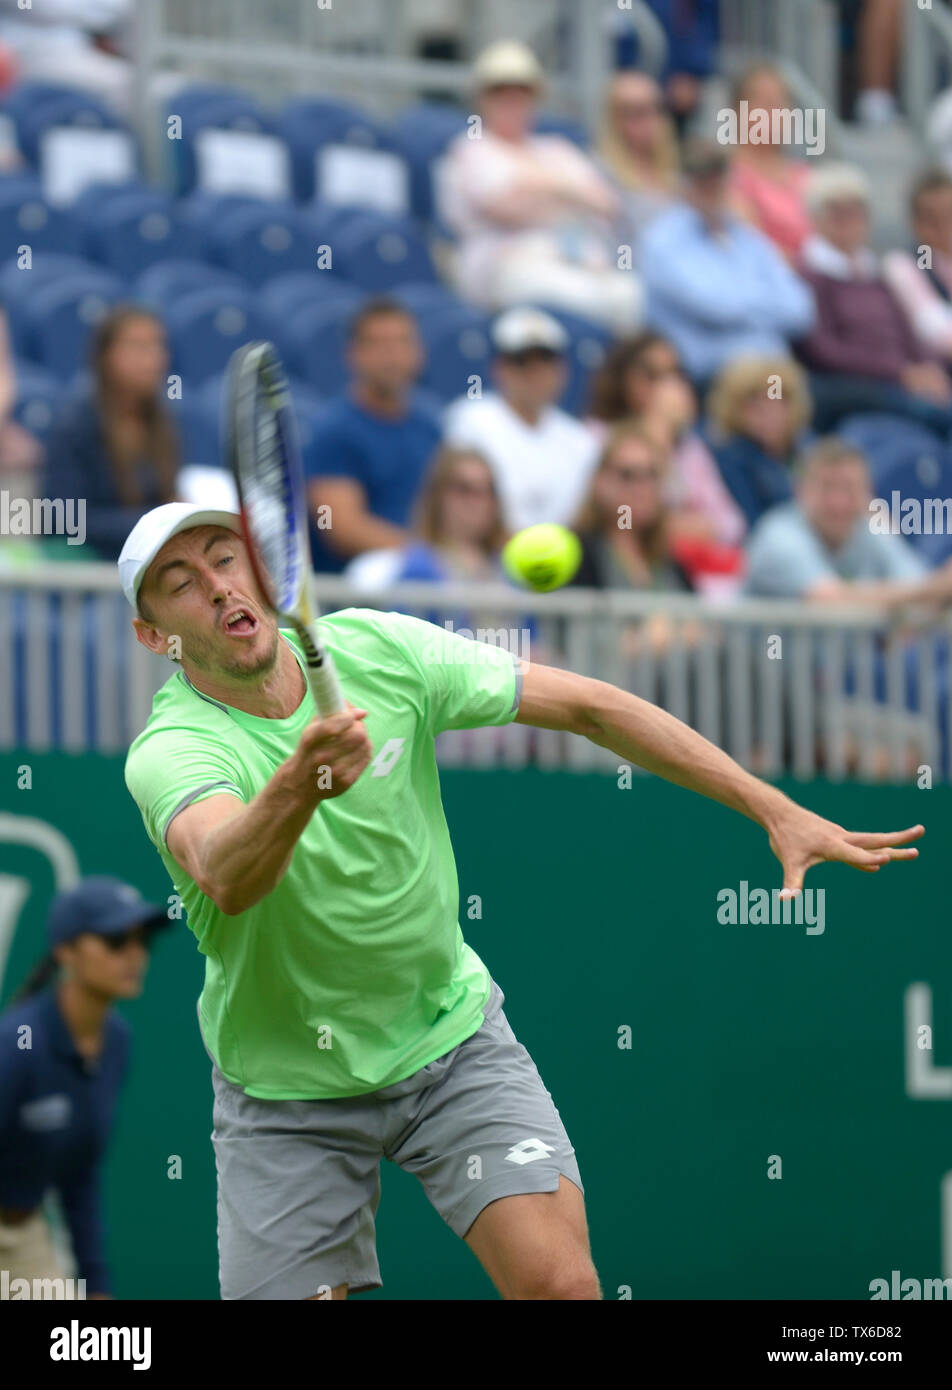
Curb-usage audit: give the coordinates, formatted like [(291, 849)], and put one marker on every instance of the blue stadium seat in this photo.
[(57, 106), (198, 427), (924, 476), (59, 317), (310, 124), (424, 132), (426, 298), (38, 396), (27, 219), (283, 296), (227, 110), (163, 283), (457, 348), (17, 287), (205, 327), (133, 229), (263, 241), (889, 442), (550, 123), (313, 345), (381, 253)]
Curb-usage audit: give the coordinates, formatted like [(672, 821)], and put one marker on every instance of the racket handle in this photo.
[(321, 675)]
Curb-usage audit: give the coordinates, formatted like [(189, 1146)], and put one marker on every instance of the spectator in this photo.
[(72, 43), (638, 149), (691, 29), (371, 448), (715, 286), (20, 453), (58, 1095), (541, 456), (534, 216), (115, 445), (862, 352), (879, 38), (642, 380), (758, 410), (457, 532), (767, 186), (921, 279), (821, 547), (623, 523)]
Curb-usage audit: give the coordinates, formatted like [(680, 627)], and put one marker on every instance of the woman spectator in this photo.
[(768, 188), (921, 278), (534, 216), (641, 380), (758, 410), (20, 452), (115, 445), (58, 1095), (638, 149), (458, 529), (862, 352)]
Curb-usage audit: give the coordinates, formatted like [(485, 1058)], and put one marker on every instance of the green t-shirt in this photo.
[(353, 972)]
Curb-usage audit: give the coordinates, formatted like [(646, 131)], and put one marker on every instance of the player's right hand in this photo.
[(331, 754)]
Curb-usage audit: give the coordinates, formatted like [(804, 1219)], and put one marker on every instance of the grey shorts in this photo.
[(299, 1180)]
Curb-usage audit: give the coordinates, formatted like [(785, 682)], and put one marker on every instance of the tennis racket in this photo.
[(263, 451)]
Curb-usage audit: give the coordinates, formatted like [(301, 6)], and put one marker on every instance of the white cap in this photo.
[(518, 329), (151, 531), (504, 62)]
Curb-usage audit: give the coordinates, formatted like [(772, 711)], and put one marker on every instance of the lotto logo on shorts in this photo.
[(528, 1150)]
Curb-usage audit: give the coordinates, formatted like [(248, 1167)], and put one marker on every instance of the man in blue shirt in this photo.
[(716, 287), (371, 449)]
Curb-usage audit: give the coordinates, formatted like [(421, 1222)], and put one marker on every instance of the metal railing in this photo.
[(366, 50), (926, 58), (783, 687)]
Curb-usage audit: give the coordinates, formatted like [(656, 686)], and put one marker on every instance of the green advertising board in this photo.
[(757, 1110)]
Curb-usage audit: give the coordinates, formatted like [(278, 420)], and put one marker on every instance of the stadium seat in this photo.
[(341, 155), (263, 241), (228, 144), (283, 296), (381, 253), (27, 219), (889, 442), (198, 428), (58, 317), (205, 327), (423, 132), (132, 229), (550, 123), (38, 394), (72, 139), (313, 345), (17, 286), (923, 477), (426, 298), (458, 348), (163, 283)]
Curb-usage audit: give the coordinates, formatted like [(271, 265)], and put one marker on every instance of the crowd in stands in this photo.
[(744, 320)]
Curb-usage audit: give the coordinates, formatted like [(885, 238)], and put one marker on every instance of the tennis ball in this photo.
[(544, 557)]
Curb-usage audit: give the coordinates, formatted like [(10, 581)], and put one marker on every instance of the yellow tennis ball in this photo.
[(544, 557)]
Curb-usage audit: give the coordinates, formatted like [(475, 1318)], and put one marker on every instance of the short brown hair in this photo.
[(929, 181), (829, 450)]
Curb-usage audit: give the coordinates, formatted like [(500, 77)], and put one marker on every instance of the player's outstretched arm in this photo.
[(239, 853), (641, 733)]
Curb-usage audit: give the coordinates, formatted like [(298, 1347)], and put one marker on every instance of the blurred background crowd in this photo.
[(493, 316)]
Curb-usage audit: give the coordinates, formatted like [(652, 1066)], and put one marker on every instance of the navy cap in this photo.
[(100, 904)]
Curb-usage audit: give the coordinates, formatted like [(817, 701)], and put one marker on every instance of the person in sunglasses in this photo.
[(64, 1055)]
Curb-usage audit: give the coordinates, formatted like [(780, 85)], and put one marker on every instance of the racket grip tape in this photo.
[(321, 676)]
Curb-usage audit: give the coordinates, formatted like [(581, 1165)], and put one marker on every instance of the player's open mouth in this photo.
[(240, 623)]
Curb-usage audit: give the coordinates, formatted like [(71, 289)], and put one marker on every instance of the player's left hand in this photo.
[(801, 839)]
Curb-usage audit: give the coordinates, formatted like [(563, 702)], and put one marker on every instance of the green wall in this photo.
[(598, 911)]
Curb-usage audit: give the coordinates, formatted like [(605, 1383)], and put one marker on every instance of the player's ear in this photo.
[(150, 637)]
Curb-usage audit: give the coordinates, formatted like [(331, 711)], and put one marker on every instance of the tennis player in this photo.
[(346, 1018)]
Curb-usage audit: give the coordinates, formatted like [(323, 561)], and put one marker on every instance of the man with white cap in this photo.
[(535, 218), (541, 456), (346, 1018)]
